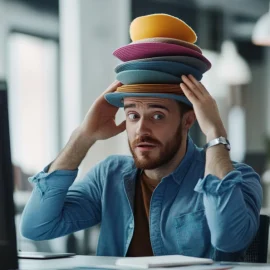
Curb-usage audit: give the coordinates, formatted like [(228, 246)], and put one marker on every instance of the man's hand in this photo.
[(99, 122), (205, 108)]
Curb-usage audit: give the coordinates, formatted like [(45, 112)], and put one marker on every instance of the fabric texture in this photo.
[(117, 99), (171, 41), (146, 77), (173, 68), (135, 51), (190, 214), (182, 59), (171, 91)]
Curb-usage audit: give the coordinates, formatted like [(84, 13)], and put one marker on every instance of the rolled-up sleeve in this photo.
[(58, 206), (232, 207)]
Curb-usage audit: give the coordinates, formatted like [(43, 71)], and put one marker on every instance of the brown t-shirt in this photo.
[(140, 244)]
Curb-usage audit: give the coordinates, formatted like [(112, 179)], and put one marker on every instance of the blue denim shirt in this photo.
[(189, 214)]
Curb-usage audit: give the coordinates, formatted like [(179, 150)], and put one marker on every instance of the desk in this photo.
[(109, 262), (66, 263)]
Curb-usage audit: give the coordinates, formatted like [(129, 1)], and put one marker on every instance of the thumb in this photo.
[(118, 129), (122, 126)]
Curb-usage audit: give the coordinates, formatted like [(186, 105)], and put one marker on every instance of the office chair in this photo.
[(258, 249)]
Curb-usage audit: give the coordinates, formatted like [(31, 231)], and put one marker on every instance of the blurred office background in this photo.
[(57, 59)]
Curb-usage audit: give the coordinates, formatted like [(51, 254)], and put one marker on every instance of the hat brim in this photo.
[(171, 41), (117, 99)]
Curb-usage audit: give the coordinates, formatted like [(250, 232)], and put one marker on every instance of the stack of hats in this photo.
[(162, 50)]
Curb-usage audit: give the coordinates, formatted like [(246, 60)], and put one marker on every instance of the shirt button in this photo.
[(131, 226)]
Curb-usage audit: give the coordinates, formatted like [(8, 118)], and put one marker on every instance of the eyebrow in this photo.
[(156, 106)]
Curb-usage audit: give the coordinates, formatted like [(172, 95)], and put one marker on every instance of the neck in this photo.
[(168, 168)]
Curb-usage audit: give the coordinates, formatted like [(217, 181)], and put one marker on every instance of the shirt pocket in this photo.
[(193, 235)]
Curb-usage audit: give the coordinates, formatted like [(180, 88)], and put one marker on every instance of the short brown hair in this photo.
[(184, 108)]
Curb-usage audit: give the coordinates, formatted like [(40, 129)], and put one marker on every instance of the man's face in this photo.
[(154, 130)]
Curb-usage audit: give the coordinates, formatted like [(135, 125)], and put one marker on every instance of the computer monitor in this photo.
[(8, 247)]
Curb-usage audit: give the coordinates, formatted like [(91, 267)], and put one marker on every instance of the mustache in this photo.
[(145, 139)]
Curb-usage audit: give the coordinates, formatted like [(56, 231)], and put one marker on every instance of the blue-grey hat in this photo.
[(170, 91), (173, 68), (186, 60), (147, 77)]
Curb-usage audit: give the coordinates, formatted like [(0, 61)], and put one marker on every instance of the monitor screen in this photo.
[(8, 248)]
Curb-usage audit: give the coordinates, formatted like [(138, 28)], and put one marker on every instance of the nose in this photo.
[(143, 128)]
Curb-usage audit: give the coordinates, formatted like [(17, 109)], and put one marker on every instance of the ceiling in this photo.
[(250, 8), (48, 5)]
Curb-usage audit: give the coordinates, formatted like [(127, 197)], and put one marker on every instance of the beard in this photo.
[(166, 153)]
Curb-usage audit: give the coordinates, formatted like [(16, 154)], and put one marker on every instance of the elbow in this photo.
[(34, 234), (29, 231), (230, 244), (232, 240)]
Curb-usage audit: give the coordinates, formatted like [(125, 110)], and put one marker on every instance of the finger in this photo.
[(195, 82), (113, 87), (192, 87), (188, 93), (198, 84)]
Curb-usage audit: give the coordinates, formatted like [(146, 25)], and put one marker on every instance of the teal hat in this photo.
[(146, 77), (168, 91), (187, 60), (173, 68), (117, 99)]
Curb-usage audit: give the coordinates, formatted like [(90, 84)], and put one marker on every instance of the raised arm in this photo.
[(232, 191), (57, 207), (98, 124)]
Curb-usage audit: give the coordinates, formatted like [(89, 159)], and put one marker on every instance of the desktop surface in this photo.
[(96, 262), (67, 263)]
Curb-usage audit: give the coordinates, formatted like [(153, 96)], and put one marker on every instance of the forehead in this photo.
[(144, 101)]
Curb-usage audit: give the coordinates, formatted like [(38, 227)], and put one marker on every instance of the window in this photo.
[(33, 101)]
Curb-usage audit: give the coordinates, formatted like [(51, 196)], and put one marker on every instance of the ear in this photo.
[(189, 119)]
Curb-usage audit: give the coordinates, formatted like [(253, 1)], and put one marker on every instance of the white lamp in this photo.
[(232, 68), (261, 31), (217, 88)]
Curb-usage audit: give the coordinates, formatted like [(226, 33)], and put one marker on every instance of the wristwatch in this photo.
[(220, 140)]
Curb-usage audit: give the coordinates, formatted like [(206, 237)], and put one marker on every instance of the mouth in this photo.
[(146, 146)]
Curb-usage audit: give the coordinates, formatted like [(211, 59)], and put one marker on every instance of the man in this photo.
[(170, 198)]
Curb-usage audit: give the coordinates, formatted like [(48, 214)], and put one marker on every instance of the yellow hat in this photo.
[(161, 25)]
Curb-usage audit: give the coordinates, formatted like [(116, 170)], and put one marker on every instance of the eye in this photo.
[(133, 116), (158, 116)]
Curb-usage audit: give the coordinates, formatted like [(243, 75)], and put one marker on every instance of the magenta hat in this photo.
[(135, 51)]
